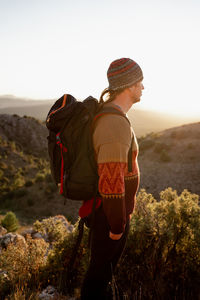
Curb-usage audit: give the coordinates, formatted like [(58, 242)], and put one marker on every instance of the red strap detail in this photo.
[(86, 207), (62, 149)]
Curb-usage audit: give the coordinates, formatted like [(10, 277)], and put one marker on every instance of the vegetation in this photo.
[(10, 222), (161, 260)]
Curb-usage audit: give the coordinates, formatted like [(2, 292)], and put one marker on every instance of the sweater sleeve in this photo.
[(112, 139)]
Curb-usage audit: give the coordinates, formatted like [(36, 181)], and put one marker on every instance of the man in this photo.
[(113, 140)]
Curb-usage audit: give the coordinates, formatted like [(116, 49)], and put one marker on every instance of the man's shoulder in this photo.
[(112, 120), (112, 128)]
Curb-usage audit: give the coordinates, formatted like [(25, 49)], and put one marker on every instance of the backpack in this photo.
[(70, 146)]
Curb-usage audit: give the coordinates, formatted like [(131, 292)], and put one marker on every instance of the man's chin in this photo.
[(136, 100)]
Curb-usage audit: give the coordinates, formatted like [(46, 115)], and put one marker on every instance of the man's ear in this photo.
[(132, 88)]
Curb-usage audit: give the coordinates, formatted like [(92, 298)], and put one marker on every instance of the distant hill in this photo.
[(10, 101), (170, 158), (25, 107), (143, 121)]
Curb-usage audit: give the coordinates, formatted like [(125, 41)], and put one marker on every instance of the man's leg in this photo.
[(105, 254)]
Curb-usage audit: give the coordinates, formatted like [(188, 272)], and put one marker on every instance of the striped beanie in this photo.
[(122, 73)]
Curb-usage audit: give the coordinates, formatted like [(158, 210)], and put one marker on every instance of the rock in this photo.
[(2, 231), (4, 275), (21, 129), (37, 235), (49, 293), (68, 226), (33, 233), (9, 238)]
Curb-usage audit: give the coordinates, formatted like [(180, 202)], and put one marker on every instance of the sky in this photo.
[(52, 47)]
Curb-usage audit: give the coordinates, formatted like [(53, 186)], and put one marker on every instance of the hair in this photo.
[(111, 94)]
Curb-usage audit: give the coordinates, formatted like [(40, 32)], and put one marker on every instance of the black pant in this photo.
[(105, 254)]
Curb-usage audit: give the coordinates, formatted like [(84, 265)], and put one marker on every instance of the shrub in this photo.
[(22, 263), (3, 165), (10, 222), (18, 181), (162, 257), (52, 228), (40, 177), (59, 268)]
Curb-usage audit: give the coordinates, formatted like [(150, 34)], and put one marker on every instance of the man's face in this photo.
[(136, 92)]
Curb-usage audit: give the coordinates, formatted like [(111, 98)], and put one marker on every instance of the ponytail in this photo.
[(111, 94)]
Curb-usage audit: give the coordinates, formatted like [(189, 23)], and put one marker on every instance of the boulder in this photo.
[(11, 238)]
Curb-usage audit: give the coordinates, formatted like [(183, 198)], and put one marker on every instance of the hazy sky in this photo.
[(51, 47)]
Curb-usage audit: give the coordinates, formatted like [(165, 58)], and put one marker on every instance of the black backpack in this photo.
[(72, 158)]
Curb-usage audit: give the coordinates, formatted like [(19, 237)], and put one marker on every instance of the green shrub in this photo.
[(13, 146), (40, 177), (162, 257), (52, 227), (19, 181), (59, 258), (10, 222)]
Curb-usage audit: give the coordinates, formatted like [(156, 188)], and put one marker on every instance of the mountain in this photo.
[(10, 101), (169, 158), (143, 121), (25, 107)]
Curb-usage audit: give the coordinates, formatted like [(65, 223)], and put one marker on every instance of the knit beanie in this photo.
[(123, 73)]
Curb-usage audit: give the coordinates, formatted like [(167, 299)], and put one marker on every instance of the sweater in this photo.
[(117, 186)]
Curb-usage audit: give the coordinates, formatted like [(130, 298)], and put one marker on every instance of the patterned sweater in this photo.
[(112, 140)]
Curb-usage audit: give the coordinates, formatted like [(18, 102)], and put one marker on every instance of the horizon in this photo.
[(48, 49), (136, 106)]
